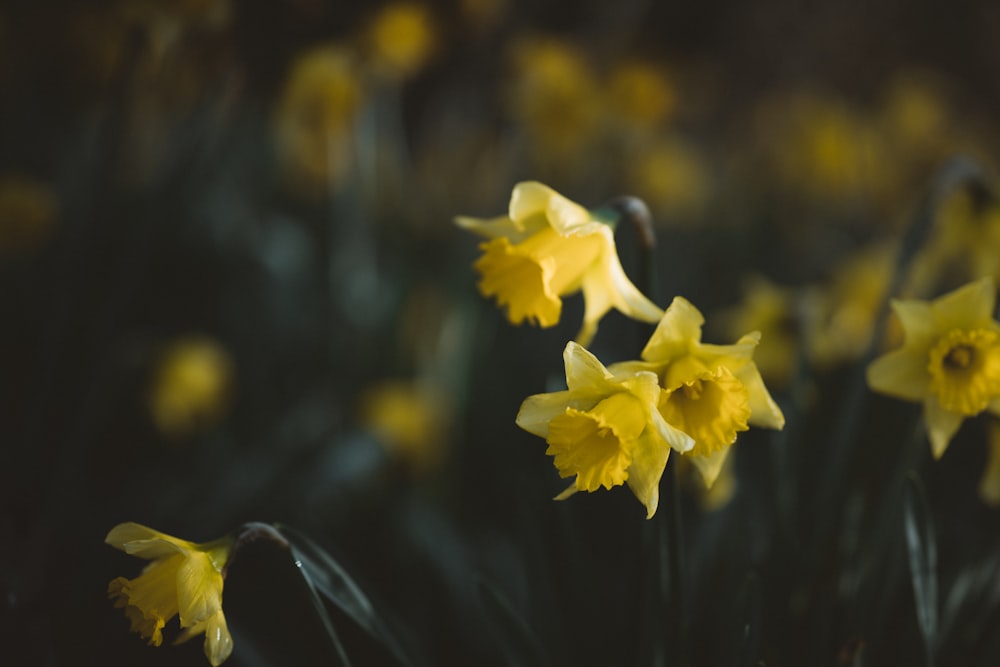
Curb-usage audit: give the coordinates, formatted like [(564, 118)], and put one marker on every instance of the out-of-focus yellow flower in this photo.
[(671, 176), (191, 386), (840, 318), (641, 94), (769, 309), (401, 38), (548, 247), (555, 97), (710, 392), (824, 148), (410, 419), (315, 119), (28, 212), (916, 116), (964, 244), (989, 483), (184, 579), (604, 429), (949, 361)]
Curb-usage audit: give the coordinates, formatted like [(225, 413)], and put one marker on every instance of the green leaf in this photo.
[(922, 552)]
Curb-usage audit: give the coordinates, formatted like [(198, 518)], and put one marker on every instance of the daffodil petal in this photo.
[(607, 286), (673, 436), (648, 461), (537, 411), (941, 425), (901, 373), (138, 540), (583, 369), (569, 218), (709, 466), (567, 492), (968, 307), (529, 199), (764, 411), (678, 329), (199, 589), (917, 320), (492, 228)]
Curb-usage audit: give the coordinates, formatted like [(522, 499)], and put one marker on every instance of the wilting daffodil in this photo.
[(547, 247), (604, 429), (949, 361), (183, 579), (710, 392)]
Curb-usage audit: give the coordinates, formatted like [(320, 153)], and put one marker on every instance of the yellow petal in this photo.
[(493, 228), (710, 465), (606, 286), (218, 641), (764, 411), (583, 369), (199, 589), (679, 329), (941, 425), (901, 373), (649, 458), (138, 540), (529, 199), (537, 411), (968, 307), (917, 320)]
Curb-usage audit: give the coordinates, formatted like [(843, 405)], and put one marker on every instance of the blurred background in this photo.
[(232, 291)]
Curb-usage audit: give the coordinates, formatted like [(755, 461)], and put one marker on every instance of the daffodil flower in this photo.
[(184, 579), (949, 361), (604, 429), (548, 247), (710, 392)]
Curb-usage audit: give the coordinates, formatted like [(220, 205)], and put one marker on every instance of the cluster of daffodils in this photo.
[(617, 424), (183, 579)]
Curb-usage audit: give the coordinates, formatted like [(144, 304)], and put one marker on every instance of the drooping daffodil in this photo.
[(184, 579), (710, 392), (949, 360), (604, 429), (547, 247)]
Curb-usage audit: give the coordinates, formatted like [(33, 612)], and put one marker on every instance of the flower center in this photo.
[(712, 408), (597, 445), (965, 370)]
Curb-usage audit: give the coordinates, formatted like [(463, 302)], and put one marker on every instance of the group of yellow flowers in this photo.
[(616, 424), (613, 424)]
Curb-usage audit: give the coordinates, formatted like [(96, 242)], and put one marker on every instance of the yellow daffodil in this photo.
[(949, 361), (556, 103), (410, 419), (840, 316), (401, 39), (548, 247), (191, 387), (604, 429), (710, 392), (315, 118), (184, 579)]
